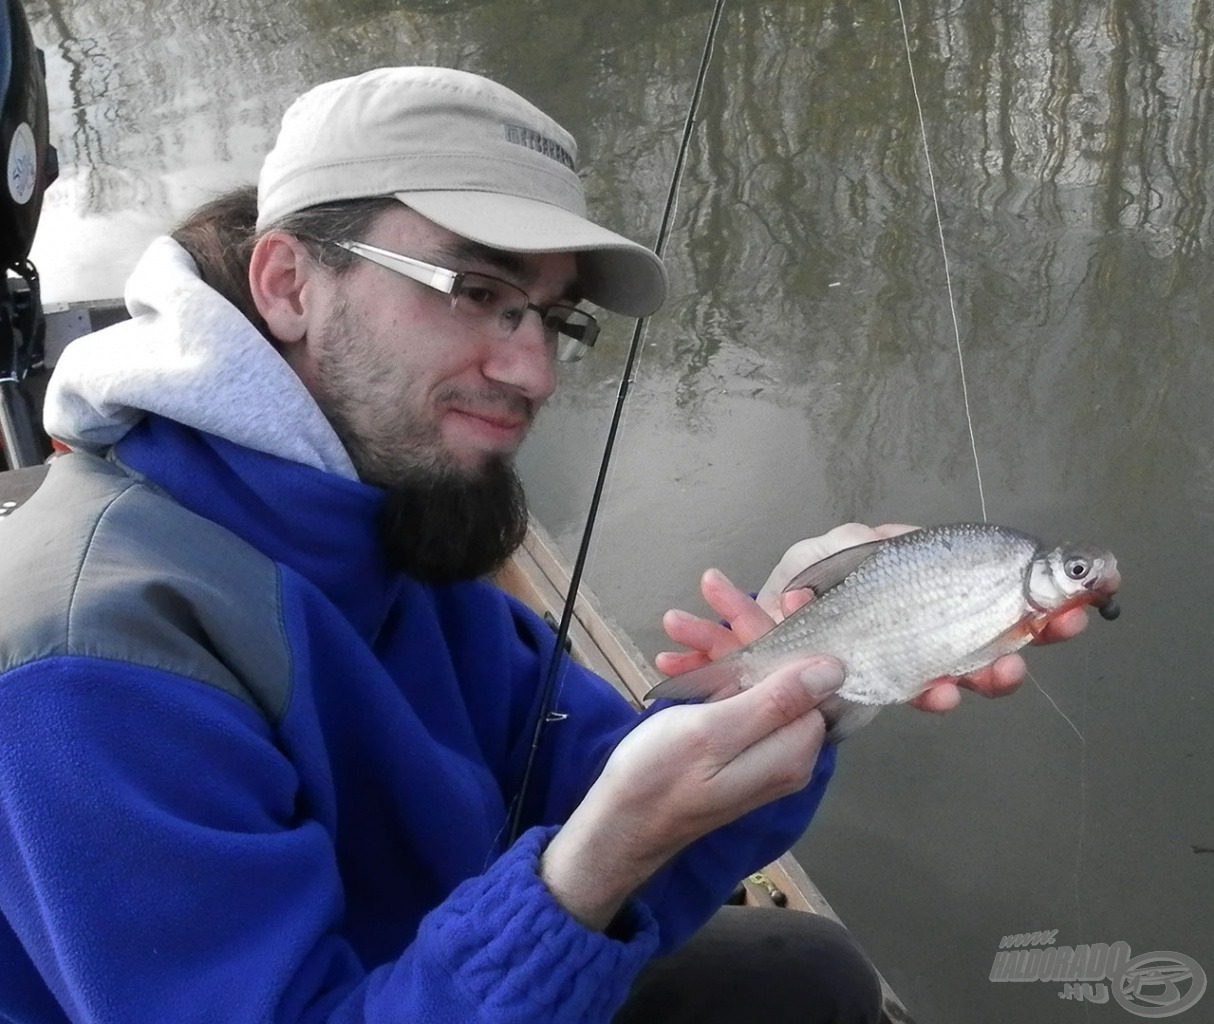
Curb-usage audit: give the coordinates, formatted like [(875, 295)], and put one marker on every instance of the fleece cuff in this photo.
[(515, 944)]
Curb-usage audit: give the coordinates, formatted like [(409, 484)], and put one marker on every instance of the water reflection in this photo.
[(805, 370)]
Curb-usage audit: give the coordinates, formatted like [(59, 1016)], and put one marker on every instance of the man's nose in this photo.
[(526, 358)]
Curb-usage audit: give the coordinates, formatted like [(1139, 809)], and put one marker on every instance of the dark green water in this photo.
[(805, 372)]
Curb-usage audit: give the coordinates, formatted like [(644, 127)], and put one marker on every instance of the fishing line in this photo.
[(1083, 791), (969, 420), (1082, 741), (545, 712), (948, 277)]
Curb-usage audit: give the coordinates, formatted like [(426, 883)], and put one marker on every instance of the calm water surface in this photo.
[(805, 372)]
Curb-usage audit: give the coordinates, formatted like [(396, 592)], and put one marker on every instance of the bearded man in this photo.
[(261, 720)]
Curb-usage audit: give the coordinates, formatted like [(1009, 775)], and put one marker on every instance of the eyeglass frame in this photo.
[(448, 281)]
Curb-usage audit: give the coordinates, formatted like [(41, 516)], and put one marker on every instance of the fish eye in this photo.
[(1076, 568)]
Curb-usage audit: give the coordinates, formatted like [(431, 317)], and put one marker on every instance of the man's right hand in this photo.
[(680, 774)]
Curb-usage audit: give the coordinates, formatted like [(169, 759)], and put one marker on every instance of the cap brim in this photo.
[(613, 272)]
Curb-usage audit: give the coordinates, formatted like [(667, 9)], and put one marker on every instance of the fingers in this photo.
[(692, 768), (887, 530), (746, 619), (941, 696), (782, 697), (675, 663), (708, 638), (998, 679), (1062, 627), (777, 732), (793, 600)]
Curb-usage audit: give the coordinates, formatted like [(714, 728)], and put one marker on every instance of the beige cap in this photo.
[(465, 152)]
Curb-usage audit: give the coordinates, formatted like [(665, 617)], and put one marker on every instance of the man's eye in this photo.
[(479, 294)]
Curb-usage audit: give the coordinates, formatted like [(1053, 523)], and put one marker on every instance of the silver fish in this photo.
[(898, 613)]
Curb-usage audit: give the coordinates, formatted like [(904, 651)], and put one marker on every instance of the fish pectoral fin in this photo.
[(716, 681), (833, 569), (1036, 627)]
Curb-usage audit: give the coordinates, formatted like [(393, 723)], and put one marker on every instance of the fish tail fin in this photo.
[(845, 718), (716, 681)]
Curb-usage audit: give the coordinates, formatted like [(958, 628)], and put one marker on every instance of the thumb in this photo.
[(781, 697)]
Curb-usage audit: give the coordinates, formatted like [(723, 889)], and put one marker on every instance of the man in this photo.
[(260, 725)]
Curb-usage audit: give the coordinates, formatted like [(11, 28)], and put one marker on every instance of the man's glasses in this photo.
[(490, 304)]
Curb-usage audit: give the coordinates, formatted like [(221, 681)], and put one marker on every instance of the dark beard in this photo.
[(440, 522), (442, 525)]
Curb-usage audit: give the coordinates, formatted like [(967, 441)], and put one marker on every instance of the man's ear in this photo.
[(280, 268)]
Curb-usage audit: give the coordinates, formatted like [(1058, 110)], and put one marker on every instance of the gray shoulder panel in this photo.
[(100, 563)]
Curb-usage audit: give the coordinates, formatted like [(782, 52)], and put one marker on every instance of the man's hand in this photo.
[(692, 768), (708, 640), (748, 618), (682, 773)]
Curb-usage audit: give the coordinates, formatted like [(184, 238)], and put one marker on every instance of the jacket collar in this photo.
[(321, 525)]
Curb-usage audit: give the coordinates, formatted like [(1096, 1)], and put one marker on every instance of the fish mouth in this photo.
[(1105, 588)]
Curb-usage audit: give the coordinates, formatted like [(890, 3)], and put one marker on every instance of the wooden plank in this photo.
[(524, 577), (604, 643)]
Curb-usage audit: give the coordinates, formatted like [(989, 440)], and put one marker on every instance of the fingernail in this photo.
[(718, 576), (822, 678)]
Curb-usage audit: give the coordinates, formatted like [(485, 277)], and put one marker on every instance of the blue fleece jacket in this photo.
[(247, 774)]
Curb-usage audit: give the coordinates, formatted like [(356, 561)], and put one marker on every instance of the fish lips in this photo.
[(1104, 588)]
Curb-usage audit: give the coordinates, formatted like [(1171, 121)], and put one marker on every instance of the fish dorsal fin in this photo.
[(833, 569)]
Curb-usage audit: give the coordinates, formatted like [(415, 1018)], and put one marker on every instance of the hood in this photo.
[(186, 354)]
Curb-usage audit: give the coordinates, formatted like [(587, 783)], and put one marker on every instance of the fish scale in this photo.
[(904, 592), (900, 612)]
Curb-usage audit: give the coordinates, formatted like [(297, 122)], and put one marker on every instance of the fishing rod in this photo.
[(545, 711)]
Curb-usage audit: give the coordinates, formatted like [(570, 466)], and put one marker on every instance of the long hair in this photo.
[(220, 236)]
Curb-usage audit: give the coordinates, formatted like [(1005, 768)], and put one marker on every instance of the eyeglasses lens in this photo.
[(495, 305)]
